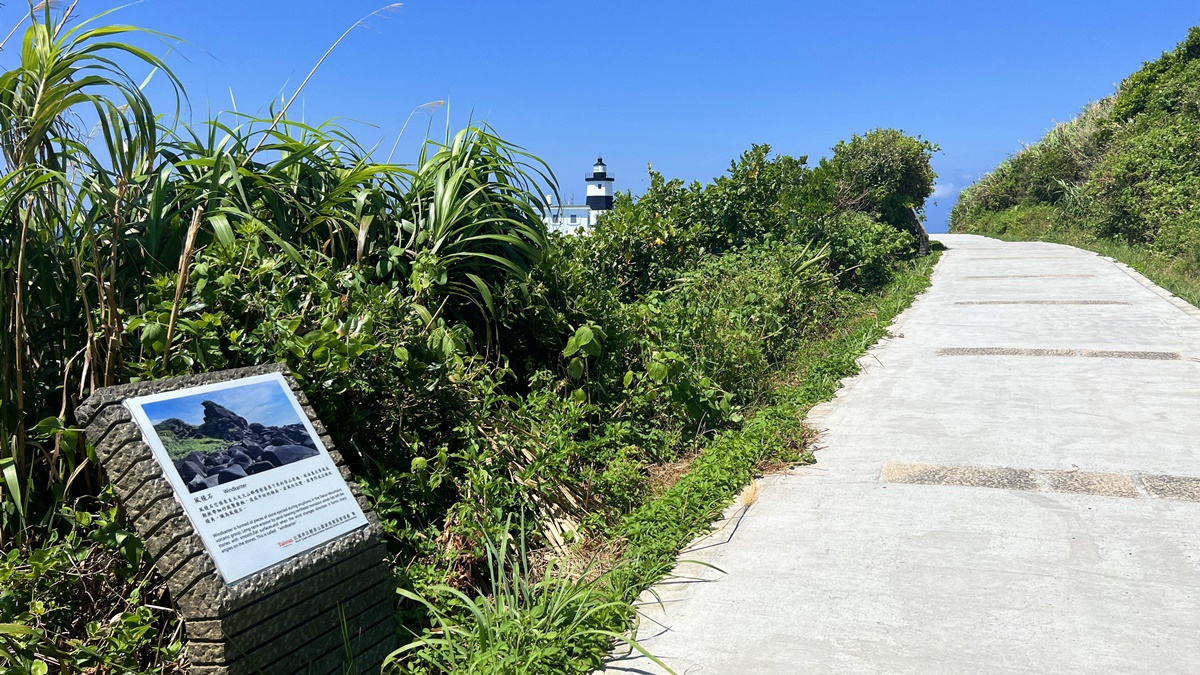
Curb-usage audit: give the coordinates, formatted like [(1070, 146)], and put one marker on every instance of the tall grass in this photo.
[(100, 196), (70, 253), (519, 624)]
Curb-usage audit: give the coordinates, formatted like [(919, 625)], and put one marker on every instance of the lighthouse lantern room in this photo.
[(599, 190)]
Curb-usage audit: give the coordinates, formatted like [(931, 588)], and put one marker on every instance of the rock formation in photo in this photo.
[(252, 448)]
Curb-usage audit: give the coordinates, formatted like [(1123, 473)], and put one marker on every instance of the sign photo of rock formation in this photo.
[(217, 437)]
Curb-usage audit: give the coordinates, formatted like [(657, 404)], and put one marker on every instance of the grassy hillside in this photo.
[(178, 448), (1122, 178)]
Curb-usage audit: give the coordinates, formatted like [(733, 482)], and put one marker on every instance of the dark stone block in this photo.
[(259, 467), (203, 482), (286, 454), (234, 472), (188, 471)]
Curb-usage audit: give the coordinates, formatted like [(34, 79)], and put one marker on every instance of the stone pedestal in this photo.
[(309, 614)]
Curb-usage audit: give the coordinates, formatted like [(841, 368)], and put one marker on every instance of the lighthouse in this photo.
[(599, 191), (572, 218)]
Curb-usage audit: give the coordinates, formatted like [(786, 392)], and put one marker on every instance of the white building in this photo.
[(571, 217)]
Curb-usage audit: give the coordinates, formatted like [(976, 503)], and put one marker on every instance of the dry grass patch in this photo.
[(586, 560), (662, 477)]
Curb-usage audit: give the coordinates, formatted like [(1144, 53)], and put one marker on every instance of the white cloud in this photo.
[(944, 190)]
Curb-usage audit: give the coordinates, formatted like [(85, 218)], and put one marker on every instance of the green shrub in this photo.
[(737, 317), (1048, 172), (1018, 222), (862, 250), (656, 531), (643, 244), (1148, 184), (883, 172), (1156, 87), (78, 600)]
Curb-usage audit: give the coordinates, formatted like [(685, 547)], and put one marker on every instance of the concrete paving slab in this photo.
[(833, 570)]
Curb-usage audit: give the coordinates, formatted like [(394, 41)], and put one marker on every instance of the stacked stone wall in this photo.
[(294, 617)]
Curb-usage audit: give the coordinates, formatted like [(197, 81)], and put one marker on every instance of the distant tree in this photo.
[(884, 172)]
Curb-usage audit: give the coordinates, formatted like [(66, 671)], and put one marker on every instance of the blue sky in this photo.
[(685, 86), (263, 402)]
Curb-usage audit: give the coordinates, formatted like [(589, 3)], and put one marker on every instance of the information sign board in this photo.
[(249, 469)]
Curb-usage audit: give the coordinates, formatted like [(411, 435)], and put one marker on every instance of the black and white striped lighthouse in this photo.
[(599, 190)]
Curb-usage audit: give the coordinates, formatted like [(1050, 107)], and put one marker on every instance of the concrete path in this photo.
[(1012, 486)]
